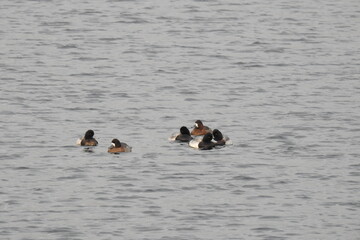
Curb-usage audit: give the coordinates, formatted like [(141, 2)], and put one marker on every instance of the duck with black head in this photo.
[(117, 147), (220, 139), (183, 136), (200, 129), (205, 144), (88, 139)]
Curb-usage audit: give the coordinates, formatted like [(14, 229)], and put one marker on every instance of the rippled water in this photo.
[(281, 79)]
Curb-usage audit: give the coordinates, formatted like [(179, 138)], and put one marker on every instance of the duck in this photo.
[(183, 136), (88, 139), (219, 139), (200, 129), (117, 146), (206, 142)]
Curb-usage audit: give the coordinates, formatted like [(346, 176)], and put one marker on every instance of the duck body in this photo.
[(88, 139), (200, 129), (184, 135), (205, 143), (89, 142), (118, 147), (220, 139)]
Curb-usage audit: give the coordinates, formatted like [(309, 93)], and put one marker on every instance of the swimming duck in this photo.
[(205, 144), (117, 146), (88, 139), (200, 129), (219, 138), (183, 136)]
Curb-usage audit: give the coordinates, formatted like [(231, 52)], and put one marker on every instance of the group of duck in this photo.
[(116, 146), (201, 137)]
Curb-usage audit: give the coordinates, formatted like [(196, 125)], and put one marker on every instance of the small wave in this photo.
[(21, 168), (245, 178), (133, 21), (55, 24), (67, 46), (266, 229)]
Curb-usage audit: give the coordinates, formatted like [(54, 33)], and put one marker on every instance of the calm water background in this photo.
[(280, 78)]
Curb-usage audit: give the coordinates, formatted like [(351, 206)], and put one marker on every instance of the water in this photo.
[(281, 79)]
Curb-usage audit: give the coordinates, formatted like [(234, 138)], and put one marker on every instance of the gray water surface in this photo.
[(280, 78)]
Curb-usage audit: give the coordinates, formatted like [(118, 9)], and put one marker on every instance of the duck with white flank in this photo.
[(205, 144), (88, 139)]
